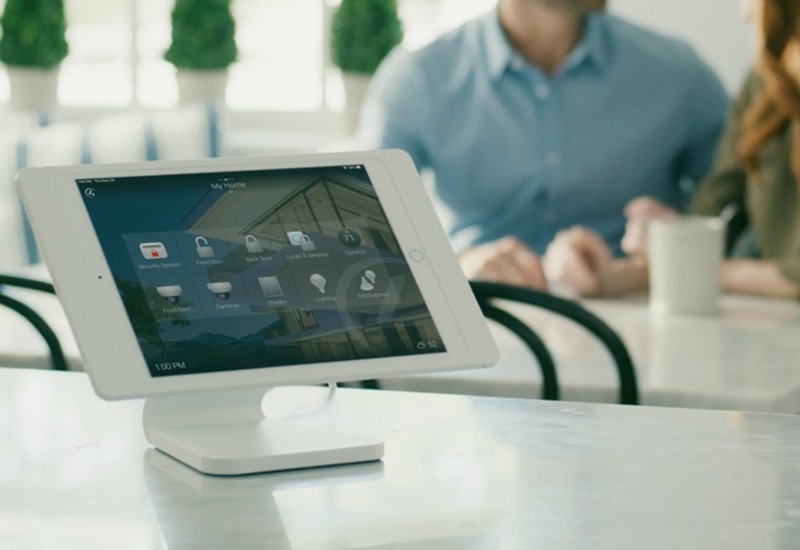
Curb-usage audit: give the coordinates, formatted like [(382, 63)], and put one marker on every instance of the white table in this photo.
[(747, 358), (459, 473)]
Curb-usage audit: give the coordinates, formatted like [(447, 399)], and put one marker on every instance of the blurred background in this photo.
[(283, 80), (116, 98)]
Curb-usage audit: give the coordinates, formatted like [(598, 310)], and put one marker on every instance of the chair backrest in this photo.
[(57, 358), (485, 292), (550, 388)]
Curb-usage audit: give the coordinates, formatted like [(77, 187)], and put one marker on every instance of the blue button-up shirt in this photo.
[(516, 151)]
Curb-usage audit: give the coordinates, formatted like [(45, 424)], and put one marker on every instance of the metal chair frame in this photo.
[(57, 358)]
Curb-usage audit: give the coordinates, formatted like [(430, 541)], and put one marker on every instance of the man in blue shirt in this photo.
[(541, 115)]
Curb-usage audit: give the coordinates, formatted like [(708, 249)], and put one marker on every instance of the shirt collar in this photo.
[(594, 46)]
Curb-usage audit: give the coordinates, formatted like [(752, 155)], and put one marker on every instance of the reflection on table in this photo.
[(747, 358), (459, 472)]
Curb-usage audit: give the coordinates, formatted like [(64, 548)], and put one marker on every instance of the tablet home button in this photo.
[(416, 255)]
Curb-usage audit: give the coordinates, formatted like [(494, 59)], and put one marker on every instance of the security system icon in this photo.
[(204, 250), (153, 251), (252, 244), (298, 238)]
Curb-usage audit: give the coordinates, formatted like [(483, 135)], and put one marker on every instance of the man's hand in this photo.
[(506, 260), (579, 259), (639, 212)]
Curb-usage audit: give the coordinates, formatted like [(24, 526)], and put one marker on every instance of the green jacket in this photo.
[(772, 204)]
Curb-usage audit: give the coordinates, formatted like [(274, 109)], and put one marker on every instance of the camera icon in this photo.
[(171, 293), (222, 289)]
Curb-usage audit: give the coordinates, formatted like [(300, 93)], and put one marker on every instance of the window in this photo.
[(282, 81)]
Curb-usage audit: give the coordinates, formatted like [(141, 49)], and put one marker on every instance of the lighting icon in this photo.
[(318, 281)]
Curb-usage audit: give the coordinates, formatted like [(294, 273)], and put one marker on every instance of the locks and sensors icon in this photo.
[(252, 244), (204, 250)]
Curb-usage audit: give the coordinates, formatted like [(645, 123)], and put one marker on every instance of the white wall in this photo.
[(715, 28)]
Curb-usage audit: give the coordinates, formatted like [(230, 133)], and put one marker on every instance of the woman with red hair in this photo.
[(756, 169)]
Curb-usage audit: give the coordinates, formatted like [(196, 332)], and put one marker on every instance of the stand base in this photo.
[(213, 436)]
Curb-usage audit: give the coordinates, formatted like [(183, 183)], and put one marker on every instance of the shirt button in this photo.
[(542, 91), (553, 160)]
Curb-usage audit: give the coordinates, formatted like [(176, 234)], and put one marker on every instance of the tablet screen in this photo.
[(250, 269)]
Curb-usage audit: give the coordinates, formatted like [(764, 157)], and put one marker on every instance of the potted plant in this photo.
[(32, 46), (202, 48), (363, 32)]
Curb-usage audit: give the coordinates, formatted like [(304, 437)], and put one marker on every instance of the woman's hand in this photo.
[(639, 212)]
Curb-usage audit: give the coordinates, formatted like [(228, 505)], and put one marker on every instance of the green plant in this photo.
[(34, 33), (202, 35), (363, 32)]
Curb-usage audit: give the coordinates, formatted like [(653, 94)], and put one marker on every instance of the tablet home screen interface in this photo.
[(252, 269)]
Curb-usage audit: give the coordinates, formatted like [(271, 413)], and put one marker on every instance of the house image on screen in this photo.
[(324, 273)]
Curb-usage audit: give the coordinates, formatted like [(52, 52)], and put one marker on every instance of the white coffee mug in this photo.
[(685, 256)]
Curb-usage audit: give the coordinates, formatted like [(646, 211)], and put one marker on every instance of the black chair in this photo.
[(57, 359), (487, 292)]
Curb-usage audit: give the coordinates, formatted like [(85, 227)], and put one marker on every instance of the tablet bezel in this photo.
[(112, 355)]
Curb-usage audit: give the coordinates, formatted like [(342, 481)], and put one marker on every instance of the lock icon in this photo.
[(204, 250), (252, 244)]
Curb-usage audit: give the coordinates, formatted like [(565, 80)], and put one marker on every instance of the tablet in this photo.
[(253, 272)]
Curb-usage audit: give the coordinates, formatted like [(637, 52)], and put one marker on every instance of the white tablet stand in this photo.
[(225, 433)]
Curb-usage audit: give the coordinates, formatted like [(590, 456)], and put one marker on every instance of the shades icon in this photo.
[(270, 286)]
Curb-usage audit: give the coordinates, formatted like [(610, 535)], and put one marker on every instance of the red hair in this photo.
[(778, 104)]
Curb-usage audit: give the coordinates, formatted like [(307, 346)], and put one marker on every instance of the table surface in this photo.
[(459, 472), (745, 358)]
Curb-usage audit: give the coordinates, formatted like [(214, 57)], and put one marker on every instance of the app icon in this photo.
[(318, 281), (298, 238), (252, 244), (368, 280), (204, 250), (222, 289), (270, 286), (350, 238), (153, 251), (171, 293)]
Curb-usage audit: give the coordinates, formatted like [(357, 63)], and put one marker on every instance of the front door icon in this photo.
[(204, 249)]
